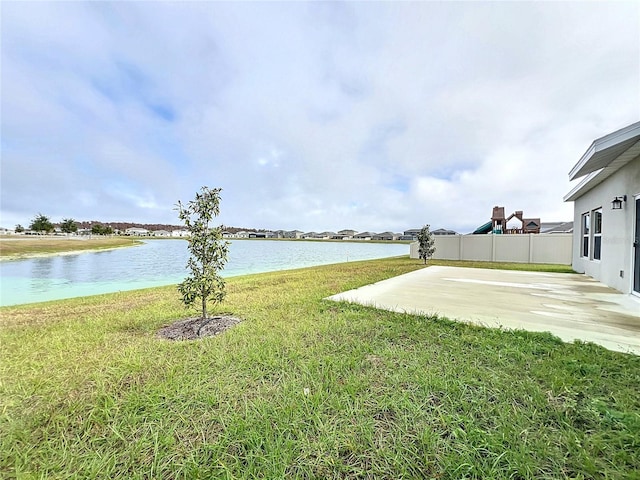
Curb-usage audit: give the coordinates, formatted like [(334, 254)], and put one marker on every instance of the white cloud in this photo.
[(317, 116)]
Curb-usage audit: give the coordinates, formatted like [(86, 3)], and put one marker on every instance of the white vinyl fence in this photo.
[(530, 248)]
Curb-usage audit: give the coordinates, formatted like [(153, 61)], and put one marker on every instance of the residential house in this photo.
[(556, 227), (411, 234), (136, 231), (293, 234), (363, 236), (385, 236), (346, 234), (180, 233), (443, 231), (161, 233), (606, 237)]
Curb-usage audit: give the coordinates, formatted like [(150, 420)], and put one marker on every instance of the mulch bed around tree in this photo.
[(198, 327)]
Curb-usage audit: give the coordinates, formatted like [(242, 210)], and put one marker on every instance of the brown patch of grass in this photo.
[(17, 247)]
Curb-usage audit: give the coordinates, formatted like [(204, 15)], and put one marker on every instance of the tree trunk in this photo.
[(204, 305)]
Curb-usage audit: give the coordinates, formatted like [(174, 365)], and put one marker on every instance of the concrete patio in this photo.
[(570, 306)]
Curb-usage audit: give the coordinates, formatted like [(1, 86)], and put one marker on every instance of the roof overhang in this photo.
[(607, 149)]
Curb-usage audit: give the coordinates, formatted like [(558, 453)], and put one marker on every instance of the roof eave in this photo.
[(601, 144), (583, 187)]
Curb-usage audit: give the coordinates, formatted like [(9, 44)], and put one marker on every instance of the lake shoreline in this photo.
[(35, 276), (27, 256), (15, 248)]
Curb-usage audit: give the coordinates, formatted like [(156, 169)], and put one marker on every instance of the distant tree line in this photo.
[(42, 224)]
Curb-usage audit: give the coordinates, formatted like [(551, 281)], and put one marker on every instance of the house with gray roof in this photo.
[(385, 236), (364, 236), (606, 203)]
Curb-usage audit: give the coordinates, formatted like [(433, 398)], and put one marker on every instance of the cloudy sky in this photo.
[(311, 116)]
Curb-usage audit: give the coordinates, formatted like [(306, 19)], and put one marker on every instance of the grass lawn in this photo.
[(16, 247), (527, 267), (304, 388)]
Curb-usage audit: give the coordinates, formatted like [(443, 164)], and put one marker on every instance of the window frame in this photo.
[(597, 234), (585, 227)]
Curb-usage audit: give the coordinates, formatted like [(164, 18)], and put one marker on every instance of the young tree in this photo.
[(68, 225), (426, 244), (19, 228), (207, 248), (41, 223)]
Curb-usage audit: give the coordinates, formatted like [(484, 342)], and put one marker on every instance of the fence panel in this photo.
[(531, 248)]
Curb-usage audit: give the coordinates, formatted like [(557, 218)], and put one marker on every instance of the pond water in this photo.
[(162, 262)]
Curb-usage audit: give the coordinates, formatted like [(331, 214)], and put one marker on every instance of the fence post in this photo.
[(493, 247), (531, 248)]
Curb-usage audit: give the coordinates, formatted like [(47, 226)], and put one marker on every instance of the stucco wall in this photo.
[(615, 268)]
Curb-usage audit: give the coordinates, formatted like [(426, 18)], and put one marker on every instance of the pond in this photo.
[(162, 262)]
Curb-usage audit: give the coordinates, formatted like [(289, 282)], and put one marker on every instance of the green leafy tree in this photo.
[(19, 228), (99, 229), (41, 223), (208, 251), (426, 244), (68, 225)]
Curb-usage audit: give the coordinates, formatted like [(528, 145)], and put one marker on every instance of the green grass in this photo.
[(527, 267), (88, 391)]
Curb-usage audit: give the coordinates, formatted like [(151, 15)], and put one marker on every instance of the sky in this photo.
[(377, 116)]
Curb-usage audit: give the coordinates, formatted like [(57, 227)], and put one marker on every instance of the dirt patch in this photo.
[(198, 327)]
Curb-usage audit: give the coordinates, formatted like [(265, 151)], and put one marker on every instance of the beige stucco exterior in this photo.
[(615, 266), (609, 170)]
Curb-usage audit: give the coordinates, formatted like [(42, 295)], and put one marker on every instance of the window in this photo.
[(597, 233), (586, 224)]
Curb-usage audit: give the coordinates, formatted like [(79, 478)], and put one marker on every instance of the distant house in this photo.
[(411, 234), (556, 227), (180, 233), (345, 234), (606, 206), (364, 236), (293, 234), (384, 236), (6, 231), (136, 231), (443, 231), (161, 233), (340, 236), (257, 235), (242, 234)]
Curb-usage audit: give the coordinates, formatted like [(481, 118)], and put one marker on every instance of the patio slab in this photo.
[(570, 306)]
